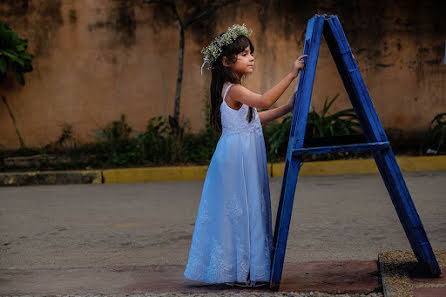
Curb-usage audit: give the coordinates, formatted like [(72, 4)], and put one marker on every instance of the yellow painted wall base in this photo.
[(337, 167), (154, 174)]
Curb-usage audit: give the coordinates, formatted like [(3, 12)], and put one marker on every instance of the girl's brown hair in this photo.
[(222, 74)]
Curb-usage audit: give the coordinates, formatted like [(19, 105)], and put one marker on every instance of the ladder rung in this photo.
[(341, 148), (336, 140)]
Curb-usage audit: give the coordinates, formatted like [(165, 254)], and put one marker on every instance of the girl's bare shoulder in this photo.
[(231, 86), (243, 95), (231, 96), (238, 90), (224, 88)]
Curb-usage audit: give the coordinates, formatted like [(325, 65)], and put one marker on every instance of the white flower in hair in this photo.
[(213, 51)]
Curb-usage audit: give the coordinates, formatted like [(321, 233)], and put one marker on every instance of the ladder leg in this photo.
[(297, 134), (347, 67), (283, 222), (406, 211), (291, 141), (374, 131), (279, 209)]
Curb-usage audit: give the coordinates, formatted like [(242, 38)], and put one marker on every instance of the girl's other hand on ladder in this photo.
[(292, 100)]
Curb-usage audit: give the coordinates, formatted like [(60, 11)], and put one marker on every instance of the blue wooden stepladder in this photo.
[(373, 139)]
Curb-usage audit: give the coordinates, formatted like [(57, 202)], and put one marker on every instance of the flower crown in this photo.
[(213, 51)]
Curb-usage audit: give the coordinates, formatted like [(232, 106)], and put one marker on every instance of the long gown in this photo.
[(232, 239)]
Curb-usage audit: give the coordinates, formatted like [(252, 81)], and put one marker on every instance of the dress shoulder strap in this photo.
[(226, 92)]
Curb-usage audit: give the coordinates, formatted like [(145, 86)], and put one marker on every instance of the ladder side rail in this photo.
[(359, 99), (385, 161), (284, 222), (364, 97), (307, 45), (336, 53), (350, 68), (295, 163), (279, 207), (406, 210), (351, 83), (308, 81), (297, 104), (291, 138), (399, 198)]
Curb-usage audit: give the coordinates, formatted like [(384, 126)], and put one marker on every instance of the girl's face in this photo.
[(244, 63)]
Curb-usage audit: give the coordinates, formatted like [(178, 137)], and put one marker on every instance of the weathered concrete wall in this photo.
[(97, 59)]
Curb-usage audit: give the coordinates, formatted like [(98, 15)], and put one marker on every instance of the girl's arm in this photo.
[(245, 96), (272, 114)]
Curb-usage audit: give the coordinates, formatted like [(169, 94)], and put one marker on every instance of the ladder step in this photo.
[(336, 140), (341, 148)]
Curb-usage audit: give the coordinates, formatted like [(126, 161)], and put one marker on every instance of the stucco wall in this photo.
[(97, 59)]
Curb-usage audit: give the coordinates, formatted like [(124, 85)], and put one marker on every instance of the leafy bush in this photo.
[(157, 141), (199, 148), (66, 141), (115, 146), (276, 137), (343, 122), (161, 144), (436, 135)]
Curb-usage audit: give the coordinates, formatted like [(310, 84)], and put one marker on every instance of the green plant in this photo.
[(276, 137), (13, 56), (117, 131), (157, 141), (115, 145), (66, 141), (198, 148), (343, 122), (44, 162), (435, 137)]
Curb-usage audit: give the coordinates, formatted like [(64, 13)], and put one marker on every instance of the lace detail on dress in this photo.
[(243, 260), (233, 208), (218, 267), (235, 122), (203, 213), (214, 259)]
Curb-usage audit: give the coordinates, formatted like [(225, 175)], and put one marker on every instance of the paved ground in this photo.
[(353, 277), (336, 218), (401, 275)]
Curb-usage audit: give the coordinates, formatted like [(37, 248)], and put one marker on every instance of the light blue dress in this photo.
[(232, 240)]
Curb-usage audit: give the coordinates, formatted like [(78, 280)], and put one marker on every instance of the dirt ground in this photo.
[(334, 218)]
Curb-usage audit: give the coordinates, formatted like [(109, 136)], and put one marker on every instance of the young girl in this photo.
[(232, 240)]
